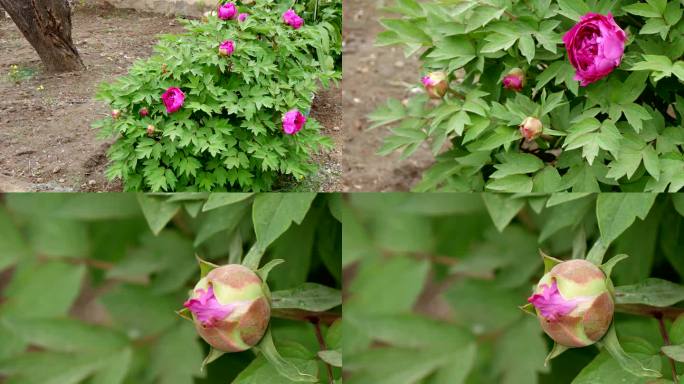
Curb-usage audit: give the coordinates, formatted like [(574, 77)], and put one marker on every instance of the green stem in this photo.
[(670, 313)]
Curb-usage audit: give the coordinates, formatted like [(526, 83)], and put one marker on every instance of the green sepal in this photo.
[(596, 253), (549, 262), (185, 313), (607, 267), (266, 269), (211, 357), (529, 309), (555, 352), (205, 266)]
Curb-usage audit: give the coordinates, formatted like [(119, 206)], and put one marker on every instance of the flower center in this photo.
[(551, 304)]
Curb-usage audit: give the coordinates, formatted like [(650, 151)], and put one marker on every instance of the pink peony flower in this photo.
[(173, 99), (514, 80), (435, 84), (242, 16), (551, 303), (595, 47), (227, 48), (143, 112), (227, 11), (207, 308), (290, 17), (293, 121), (116, 114)]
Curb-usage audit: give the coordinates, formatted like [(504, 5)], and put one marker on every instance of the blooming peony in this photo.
[(227, 11), (595, 47), (173, 99), (290, 17), (293, 121)]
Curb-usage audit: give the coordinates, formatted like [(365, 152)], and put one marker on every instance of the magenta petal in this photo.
[(207, 309), (551, 303)]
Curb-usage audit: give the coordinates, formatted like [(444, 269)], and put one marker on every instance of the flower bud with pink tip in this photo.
[(227, 11), (116, 114), (514, 80), (143, 112), (227, 48), (531, 128), (574, 303), (435, 84), (231, 308)]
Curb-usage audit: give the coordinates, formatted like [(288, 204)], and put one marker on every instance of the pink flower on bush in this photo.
[(227, 11), (227, 48), (173, 99), (293, 121), (291, 18), (207, 308), (242, 17), (143, 112), (514, 80), (595, 47)]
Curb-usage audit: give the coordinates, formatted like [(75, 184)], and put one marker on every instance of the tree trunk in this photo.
[(46, 24)]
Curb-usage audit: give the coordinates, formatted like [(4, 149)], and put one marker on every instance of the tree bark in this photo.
[(46, 24)]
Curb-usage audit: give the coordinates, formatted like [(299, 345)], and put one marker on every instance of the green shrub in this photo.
[(228, 134)]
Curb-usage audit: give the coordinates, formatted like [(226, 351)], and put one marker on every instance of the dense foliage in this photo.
[(90, 286), (434, 284), (620, 129), (227, 133)]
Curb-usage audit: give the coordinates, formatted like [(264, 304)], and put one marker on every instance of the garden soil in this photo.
[(371, 76), (46, 143)]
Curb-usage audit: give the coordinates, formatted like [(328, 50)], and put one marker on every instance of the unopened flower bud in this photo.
[(514, 80), (150, 130), (230, 307), (116, 114), (164, 67), (573, 303), (531, 128), (227, 48), (143, 112), (435, 84)]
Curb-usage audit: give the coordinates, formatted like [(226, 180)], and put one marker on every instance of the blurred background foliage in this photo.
[(89, 283), (432, 284)]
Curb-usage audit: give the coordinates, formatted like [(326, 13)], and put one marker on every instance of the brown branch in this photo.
[(321, 344), (670, 313), (666, 339), (326, 318)]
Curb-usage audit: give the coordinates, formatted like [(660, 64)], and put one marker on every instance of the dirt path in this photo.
[(46, 143), (371, 76)]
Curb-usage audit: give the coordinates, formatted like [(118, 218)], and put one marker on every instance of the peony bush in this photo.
[(212, 110), (542, 96)]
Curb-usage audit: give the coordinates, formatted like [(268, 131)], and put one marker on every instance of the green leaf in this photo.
[(224, 219), (157, 211), (43, 289), (266, 269), (517, 163), (177, 356), (333, 358), (502, 209), (573, 9), (527, 47), (512, 184), (285, 368), (12, 246), (628, 362), (652, 291), (308, 296), (272, 214), (616, 212), (674, 352), (217, 200)]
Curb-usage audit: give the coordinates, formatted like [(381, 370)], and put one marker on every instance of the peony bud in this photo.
[(116, 114), (143, 112), (435, 84), (573, 303), (231, 308), (291, 18), (150, 130), (514, 80), (531, 128), (227, 48), (242, 17)]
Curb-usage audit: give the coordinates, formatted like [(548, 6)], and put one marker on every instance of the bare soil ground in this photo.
[(371, 76), (46, 143)]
